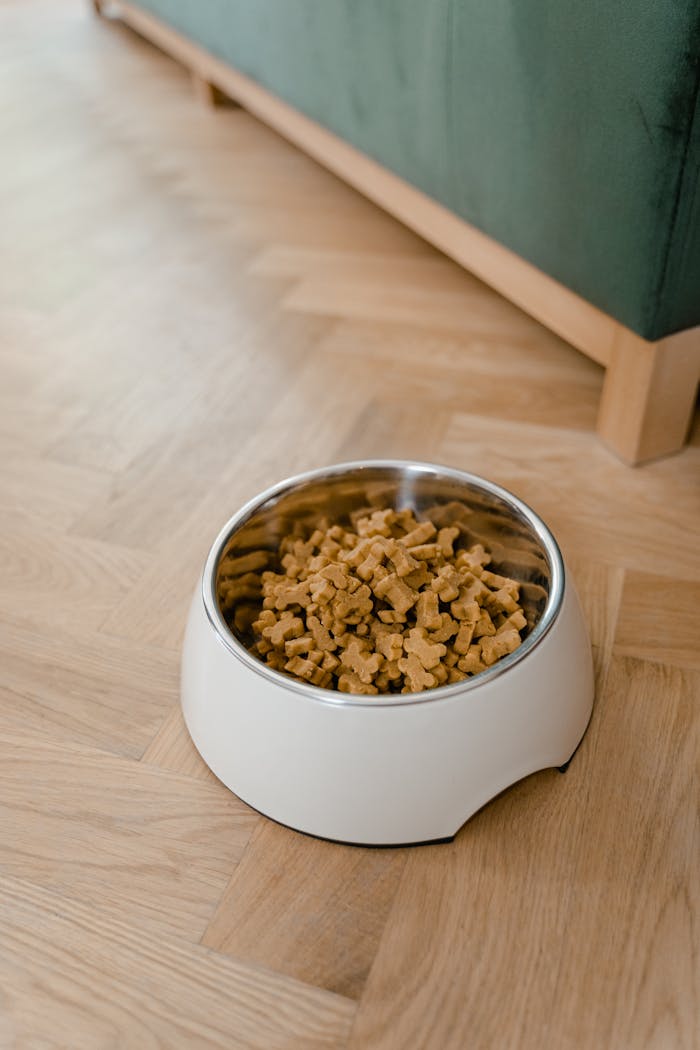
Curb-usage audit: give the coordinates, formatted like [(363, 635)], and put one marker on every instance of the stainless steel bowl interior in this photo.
[(520, 543)]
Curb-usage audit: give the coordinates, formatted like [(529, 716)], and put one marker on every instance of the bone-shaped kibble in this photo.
[(316, 564), (429, 653), (472, 662), (298, 594), (377, 524), (426, 552), (390, 646), (447, 583), (367, 608), (400, 558), (465, 609), (336, 574), (288, 626), (307, 669), (348, 682), (501, 601), (266, 619), (472, 559), (484, 625), (428, 611), (517, 619), (356, 658), (447, 628), (292, 566), (440, 674), (396, 593), (416, 675), (390, 616), (352, 607), (276, 659), (420, 534), (418, 578), (496, 583), (505, 641), (297, 646), (464, 638), (470, 595), (354, 557), (374, 559), (321, 590), (321, 635), (329, 662), (446, 538), (303, 550)]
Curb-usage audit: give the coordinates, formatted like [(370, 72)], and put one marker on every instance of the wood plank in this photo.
[(579, 895), (660, 620), (37, 491), (599, 587), (516, 353), (83, 688), (72, 976), (172, 749), (47, 579), (314, 910), (131, 839)]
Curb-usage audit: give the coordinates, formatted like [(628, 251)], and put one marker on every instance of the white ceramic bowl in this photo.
[(389, 769)]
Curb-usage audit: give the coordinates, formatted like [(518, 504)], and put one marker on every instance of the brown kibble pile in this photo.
[(389, 606)]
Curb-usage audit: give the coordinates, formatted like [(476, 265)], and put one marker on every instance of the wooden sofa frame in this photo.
[(650, 387)]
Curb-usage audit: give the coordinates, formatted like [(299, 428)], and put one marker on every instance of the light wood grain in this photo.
[(172, 748), (649, 394), (660, 620), (53, 580), (122, 835), (573, 928), (315, 910), (599, 587), (84, 688), (101, 984), (191, 309)]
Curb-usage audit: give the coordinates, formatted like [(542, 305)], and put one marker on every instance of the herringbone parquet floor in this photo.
[(190, 310)]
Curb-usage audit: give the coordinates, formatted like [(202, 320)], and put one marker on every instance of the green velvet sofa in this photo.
[(566, 134)]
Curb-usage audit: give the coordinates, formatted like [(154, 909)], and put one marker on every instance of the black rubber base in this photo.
[(563, 769)]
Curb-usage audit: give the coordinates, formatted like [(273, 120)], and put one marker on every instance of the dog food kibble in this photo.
[(389, 605)]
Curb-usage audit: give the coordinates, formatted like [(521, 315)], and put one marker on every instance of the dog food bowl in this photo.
[(394, 768)]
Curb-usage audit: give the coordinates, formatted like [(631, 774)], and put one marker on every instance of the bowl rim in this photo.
[(332, 697)]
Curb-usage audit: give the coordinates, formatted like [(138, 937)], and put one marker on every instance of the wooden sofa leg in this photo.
[(649, 395)]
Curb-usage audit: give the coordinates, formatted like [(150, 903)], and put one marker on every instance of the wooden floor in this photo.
[(190, 310)]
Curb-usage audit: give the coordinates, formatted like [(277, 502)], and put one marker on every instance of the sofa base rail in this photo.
[(650, 388)]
